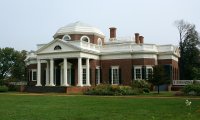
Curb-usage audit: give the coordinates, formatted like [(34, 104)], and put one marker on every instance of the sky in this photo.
[(26, 23)]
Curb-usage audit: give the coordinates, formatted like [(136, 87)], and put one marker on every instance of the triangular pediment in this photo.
[(56, 46)]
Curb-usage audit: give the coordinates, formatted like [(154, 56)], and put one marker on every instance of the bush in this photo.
[(3, 89), (143, 85), (105, 89), (192, 89)]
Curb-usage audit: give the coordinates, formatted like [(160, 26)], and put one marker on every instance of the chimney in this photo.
[(137, 41), (112, 33), (141, 38)]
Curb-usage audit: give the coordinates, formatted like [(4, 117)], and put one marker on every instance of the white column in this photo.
[(38, 73), (47, 74), (65, 73), (80, 78), (51, 73), (88, 72)]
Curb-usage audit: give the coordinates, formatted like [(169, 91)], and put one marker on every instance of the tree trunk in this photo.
[(158, 89)]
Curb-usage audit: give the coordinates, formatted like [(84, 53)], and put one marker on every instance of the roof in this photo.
[(78, 28)]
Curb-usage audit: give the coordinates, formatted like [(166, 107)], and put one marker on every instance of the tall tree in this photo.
[(159, 77), (189, 52), (11, 64)]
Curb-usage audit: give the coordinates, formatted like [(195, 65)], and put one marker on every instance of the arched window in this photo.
[(99, 42), (85, 38), (57, 47), (66, 38)]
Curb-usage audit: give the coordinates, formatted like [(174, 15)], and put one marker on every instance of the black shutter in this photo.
[(95, 76), (30, 77), (168, 71), (72, 77), (120, 76), (144, 72), (132, 73), (90, 76), (110, 76), (100, 75)]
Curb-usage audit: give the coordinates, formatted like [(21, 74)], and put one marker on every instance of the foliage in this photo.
[(192, 89), (12, 65), (106, 89), (141, 84), (195, 73), (3, 88), (158, 77), (189, 52)]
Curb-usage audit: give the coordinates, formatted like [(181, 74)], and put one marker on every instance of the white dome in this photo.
[(78, 28)]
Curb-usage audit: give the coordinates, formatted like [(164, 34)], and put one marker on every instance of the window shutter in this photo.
[(90, 76), (132, 73), (110, 76), (168, 72), (100, 75), (120, 76), (95, 76), (72, 76), (144, 72), (30, 73)]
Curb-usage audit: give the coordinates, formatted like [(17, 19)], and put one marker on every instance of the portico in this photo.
[(65, 72)]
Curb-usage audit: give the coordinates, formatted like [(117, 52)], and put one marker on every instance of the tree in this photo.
[(11, 64), (158, 77), (189, 52)]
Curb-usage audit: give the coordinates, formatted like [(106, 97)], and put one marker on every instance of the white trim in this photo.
[(33, 70), (112, 68), (82, 39), (66, 36), (137, 67), (98, 76)]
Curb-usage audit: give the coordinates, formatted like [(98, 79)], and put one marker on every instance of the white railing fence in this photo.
[(184, 82)]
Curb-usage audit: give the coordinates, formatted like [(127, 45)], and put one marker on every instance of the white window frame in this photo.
[(112, 75), (34, 70), (147, 73), (135, 77), (66, 36), (98, 77), (99, 42), (83, 37)]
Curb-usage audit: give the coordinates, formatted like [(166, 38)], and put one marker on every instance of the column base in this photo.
[(66, 85), (51, 85), (88, 85), (38, 85), (79, 85)]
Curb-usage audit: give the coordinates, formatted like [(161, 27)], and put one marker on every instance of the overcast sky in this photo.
[(26, 23)]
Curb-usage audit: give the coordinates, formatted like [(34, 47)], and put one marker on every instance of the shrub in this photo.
[(192, 89), (3, 89), (105, 89), (143, 85)]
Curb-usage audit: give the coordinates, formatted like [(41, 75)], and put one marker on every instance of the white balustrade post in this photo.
[(88, 72), (38, 73), (80, 78)]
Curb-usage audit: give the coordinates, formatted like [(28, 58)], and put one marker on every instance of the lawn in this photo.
[(62, 107)]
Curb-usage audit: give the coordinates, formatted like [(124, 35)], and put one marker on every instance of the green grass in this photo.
[(60, 107)]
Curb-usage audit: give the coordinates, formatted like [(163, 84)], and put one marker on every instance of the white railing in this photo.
[(184, 82), (18, 83)]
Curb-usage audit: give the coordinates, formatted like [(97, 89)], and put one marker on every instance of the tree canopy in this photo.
[(189, 51), (12, 65)]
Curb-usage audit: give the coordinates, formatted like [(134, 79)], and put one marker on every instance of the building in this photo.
[(79, 55)]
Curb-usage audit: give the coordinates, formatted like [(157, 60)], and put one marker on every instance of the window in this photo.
[(149, 71), (138, 73), (84, 76), (66, 38), (115, 75), (57, 47), (34, 75), (85, 39), (99, 42), (97, 75)]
